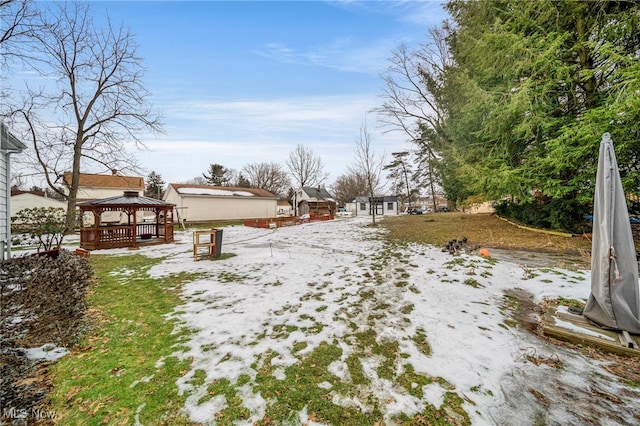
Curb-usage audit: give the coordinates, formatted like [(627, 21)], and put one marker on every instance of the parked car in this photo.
[(415, 211), (343, 212)]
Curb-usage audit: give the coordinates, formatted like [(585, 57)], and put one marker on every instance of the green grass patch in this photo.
[(308, 384), (124, 367), (421, 342)]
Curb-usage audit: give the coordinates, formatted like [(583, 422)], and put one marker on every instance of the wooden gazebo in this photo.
[(128, 220)]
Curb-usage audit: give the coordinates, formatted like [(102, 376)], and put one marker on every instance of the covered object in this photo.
[(127, 220), (615, 297)]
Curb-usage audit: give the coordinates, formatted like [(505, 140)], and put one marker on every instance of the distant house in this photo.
[(204, 203), (484, 207), (427, 203), (284, 209), (32, 199), (383, 205), (97, 186), (314, 201), (9, 144)]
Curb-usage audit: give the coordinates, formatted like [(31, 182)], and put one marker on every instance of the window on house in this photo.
[(363, 206), (389, 206)]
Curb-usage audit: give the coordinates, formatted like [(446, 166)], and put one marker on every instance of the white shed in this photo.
[(362, 206), (9, 144), (203, 203)]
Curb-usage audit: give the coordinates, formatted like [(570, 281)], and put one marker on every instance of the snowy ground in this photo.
[(328, 281)]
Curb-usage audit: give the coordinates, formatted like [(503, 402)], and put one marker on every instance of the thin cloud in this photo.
[(343, 54)]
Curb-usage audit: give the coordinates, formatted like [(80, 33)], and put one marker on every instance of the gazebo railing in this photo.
[(114, 236)]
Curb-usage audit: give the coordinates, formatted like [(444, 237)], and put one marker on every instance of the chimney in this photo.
[(114, 172)]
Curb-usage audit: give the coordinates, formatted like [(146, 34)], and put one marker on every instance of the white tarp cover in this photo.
[(615, 297)]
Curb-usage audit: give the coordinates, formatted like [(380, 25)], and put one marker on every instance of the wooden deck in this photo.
[(561, 324)]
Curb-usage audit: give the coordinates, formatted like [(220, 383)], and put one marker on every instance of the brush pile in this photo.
[(42, 303), (456, 246)]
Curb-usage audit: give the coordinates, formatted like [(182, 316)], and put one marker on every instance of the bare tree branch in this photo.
[(368, 165), (306, 168), (268, 176), (98, 105)]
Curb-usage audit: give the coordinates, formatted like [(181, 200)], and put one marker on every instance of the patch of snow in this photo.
[(434, 394), (46, 352), (340, 370), (215, 192)]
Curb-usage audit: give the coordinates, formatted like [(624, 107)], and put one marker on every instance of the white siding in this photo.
[(30, 201), (4, 176), (85, 193), (194, 208)]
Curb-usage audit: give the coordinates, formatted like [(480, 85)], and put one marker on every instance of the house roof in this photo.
[(92, 180), (8, 141), (37, 192), (318, 193), (128, 198), (219, 191)]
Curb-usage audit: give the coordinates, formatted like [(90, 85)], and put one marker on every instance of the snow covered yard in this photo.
[(330, 323)]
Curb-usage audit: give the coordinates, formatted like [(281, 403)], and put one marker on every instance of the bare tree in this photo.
[(198, 180), (348, 186), (413, 96), (98, 105), (369, 166), (268, 176), (413, 86), (306, 168), (18, 26)]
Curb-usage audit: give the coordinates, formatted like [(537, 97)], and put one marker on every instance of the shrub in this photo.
[(42, 300), (559, 214), (40, 225)]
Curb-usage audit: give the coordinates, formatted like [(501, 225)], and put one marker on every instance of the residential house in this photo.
[(9, 144), (98, 186), (32, 199), (284, 209), (485, 207), (383, 205), (426, 203), (314, 201), (204, 203)]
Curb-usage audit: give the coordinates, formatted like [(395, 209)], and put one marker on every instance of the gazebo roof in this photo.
[(129, 198)]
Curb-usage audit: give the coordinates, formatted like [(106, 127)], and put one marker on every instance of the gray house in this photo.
[(9, 144), (364, 206)]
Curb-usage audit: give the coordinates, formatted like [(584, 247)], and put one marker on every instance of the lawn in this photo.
[(335, 323), (485, 230)]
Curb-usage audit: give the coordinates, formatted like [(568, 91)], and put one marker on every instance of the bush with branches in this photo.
[(42, 301), (43, 226)]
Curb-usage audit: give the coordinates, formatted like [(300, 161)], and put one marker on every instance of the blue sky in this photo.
[(245, 82)]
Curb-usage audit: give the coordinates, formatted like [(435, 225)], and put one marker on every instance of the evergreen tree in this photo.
[(155, 186), (217, 175), (533, 87)]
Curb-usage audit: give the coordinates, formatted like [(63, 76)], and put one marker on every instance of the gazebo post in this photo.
[(135, 226), (157, 223)]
